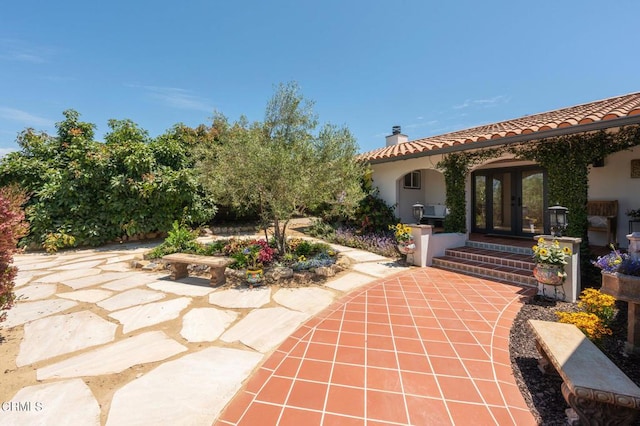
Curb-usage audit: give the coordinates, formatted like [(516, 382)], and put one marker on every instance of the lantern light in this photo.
[(418, 211), (558, 220)]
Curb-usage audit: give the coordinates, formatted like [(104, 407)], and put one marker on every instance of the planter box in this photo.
[(622, 287)]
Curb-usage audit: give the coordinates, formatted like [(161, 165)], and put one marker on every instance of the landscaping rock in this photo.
[(325, 271), (343, 262), (235, 273), (279, 273), (151, 266)]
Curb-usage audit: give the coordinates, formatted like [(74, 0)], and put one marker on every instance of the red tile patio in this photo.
[(423, 347)]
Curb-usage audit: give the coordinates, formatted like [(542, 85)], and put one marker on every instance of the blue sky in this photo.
[(431, 67)]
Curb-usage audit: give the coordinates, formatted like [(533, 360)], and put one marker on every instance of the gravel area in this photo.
[(542, 392)]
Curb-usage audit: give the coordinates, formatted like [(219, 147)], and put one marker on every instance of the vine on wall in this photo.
[(455, 167), (567, 160)]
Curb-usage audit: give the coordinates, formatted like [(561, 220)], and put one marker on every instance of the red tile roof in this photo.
[(575, 116)]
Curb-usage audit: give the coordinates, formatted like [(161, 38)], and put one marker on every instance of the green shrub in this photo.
[(320, 229), (180, 239), (57, 240), (88, 193)]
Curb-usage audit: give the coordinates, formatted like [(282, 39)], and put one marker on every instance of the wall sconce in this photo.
[(418, 211), (558, 220)]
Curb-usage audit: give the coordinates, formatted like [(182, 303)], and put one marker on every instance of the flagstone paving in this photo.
[(206, 324), (133, 297), (142, 348), (61, 334), (30, 311), (58, 403), (188, 391), (117, 346), (150, 314), (35, 292), (91, 296), (264, 329)]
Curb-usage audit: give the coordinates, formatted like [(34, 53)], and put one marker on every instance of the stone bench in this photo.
[(592, 384), (180, 261)]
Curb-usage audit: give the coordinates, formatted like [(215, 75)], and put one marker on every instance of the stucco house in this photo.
[(508, 196)]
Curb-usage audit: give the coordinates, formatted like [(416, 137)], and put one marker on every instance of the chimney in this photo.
[(396, 136)]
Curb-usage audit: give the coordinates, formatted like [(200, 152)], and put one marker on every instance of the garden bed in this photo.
[(542, 392)]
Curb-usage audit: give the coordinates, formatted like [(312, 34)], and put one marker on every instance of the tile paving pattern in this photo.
[(422, 347)]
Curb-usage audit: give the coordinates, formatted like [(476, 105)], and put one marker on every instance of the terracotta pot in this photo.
[(620, 286), (549, 274), (406, 247)]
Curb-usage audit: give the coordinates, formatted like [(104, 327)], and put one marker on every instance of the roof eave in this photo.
[(508, 140)]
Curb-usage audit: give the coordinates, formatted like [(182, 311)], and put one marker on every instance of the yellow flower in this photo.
[(550, 253)]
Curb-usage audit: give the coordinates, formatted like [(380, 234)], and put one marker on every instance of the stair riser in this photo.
[(500, 247), (491, 260), (485, 272)]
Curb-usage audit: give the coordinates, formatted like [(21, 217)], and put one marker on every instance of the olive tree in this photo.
[(283, 167)]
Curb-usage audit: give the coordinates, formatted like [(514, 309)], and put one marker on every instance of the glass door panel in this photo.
[(502, 198), (532, 212), (480, 202)]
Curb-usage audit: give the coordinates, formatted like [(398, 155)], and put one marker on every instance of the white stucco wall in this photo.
[(388, 177), (614, 182), (611, 182)]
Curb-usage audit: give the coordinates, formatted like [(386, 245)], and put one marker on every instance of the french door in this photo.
[(509, 201)]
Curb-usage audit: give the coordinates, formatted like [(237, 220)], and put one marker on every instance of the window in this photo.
[(412, 180)]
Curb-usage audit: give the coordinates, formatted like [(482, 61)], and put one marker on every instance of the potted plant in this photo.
[(404, 239), (634, 214), (255, 273), (550, 259), (620, 275)]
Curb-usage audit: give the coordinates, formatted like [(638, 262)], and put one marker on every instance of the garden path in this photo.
[(94, 342)]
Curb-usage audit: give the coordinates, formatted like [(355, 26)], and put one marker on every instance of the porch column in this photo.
[(571, 286), (420, 234)]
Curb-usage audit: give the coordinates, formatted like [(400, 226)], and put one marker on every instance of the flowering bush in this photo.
[(588, 323), (401, 231), (598, 310), (550, 253), (610, 262), (322, 259), (630, 265), (249, 253), (12, 228), (383, 244), (597, 303), (617, 261)]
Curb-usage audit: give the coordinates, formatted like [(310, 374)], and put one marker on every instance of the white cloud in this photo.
[(5, 151), (21, 51), (177, 98), (423, 124), (496, 100), (24, 117)]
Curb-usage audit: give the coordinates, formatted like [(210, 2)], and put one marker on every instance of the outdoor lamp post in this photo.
[(418, 211), (558, 220)]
